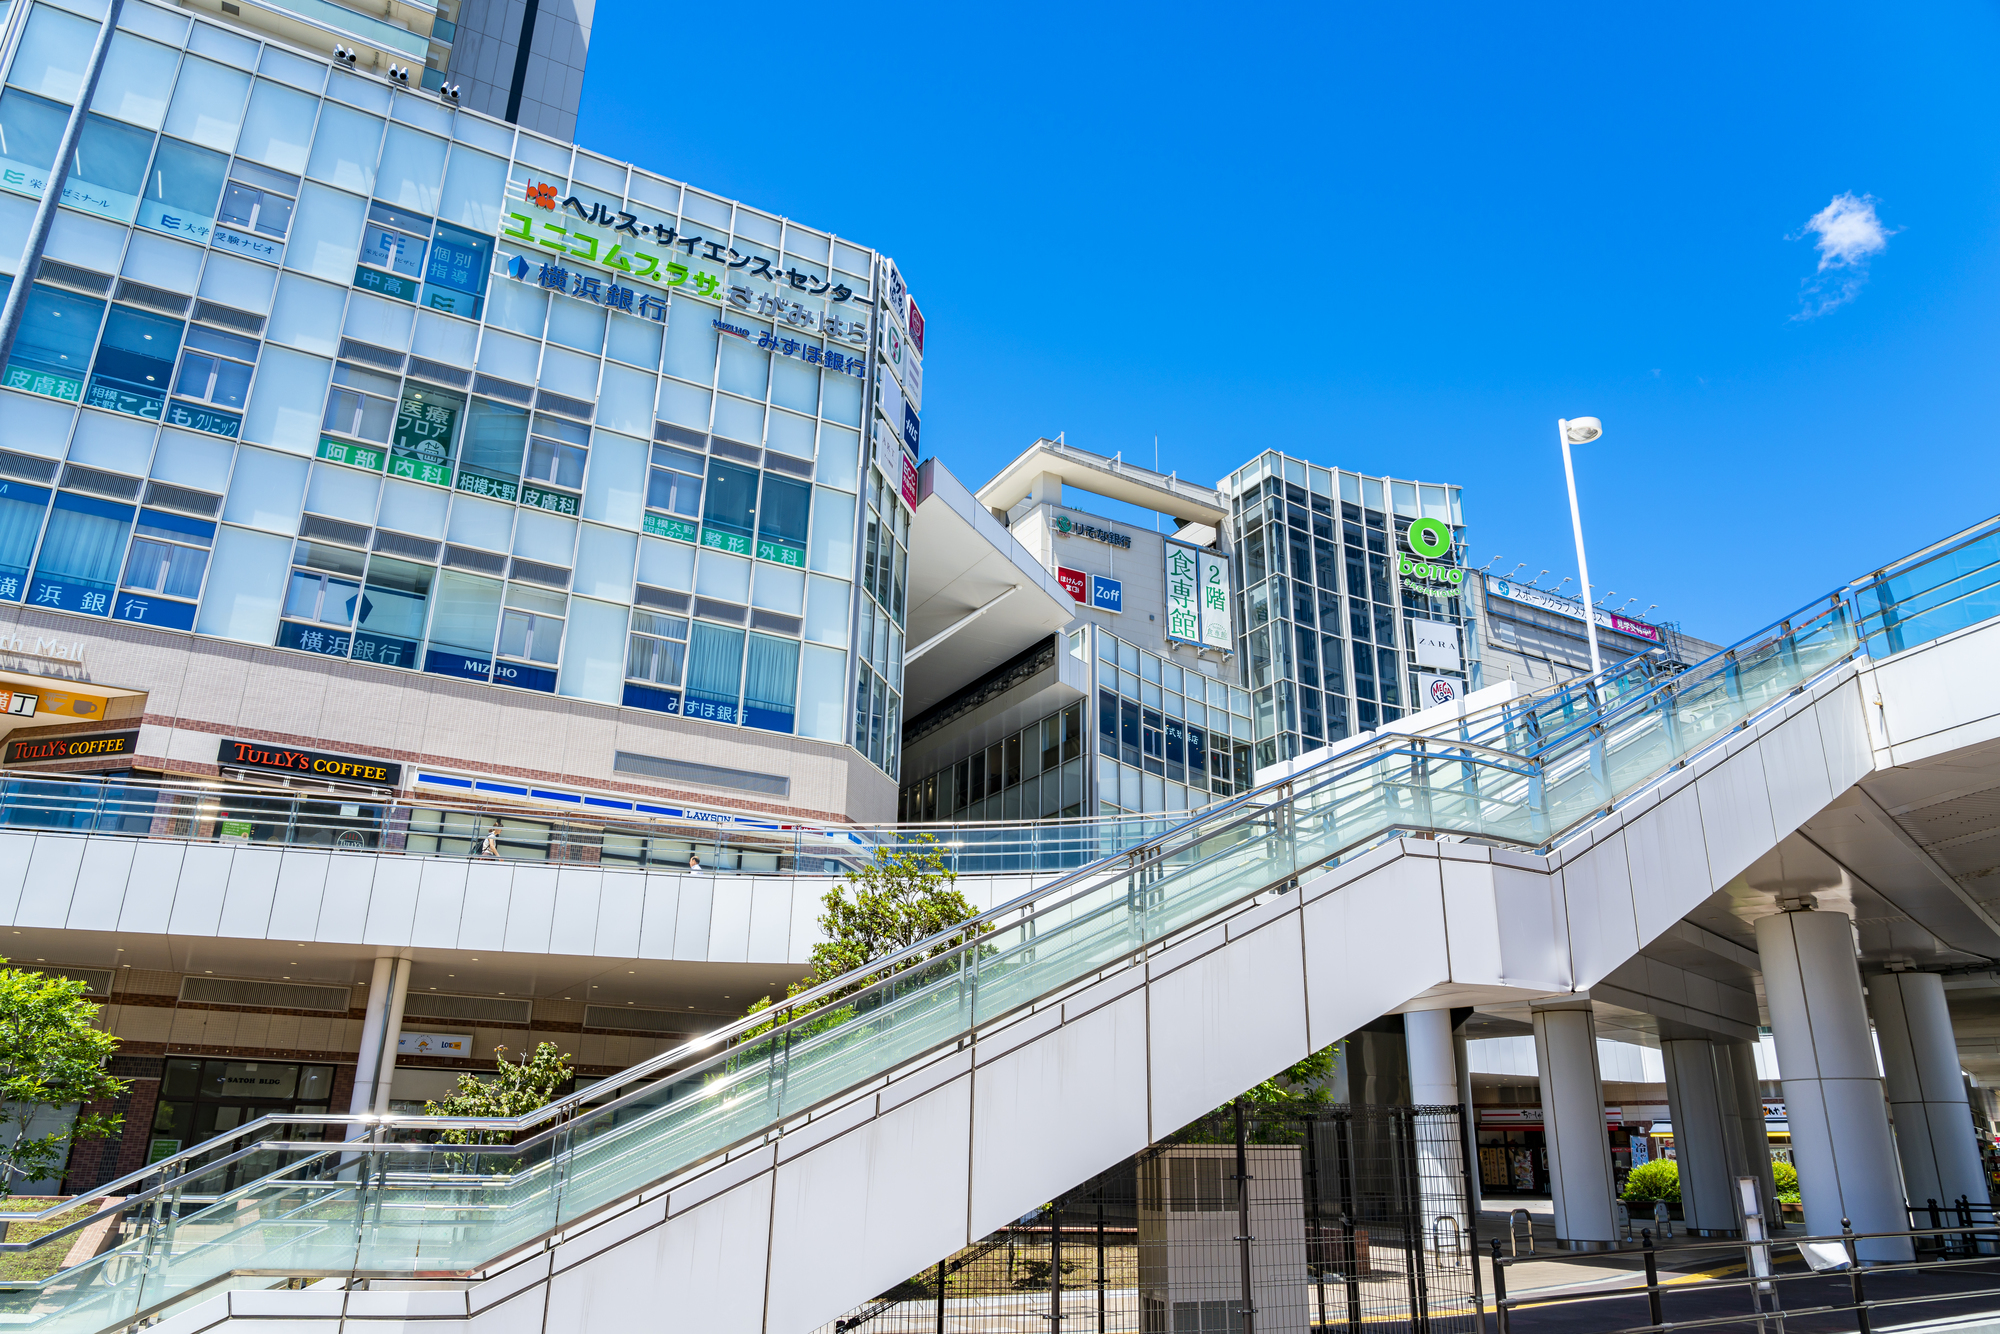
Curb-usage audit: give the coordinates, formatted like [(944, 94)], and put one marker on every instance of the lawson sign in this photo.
[(1542, 600)]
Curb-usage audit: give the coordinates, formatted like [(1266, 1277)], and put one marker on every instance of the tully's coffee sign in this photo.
[(316, 763), (35, 750)]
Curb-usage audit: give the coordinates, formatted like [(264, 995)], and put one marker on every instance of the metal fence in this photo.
[(1249, 1223)]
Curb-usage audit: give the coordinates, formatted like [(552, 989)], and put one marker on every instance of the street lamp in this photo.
[(1581, 431)]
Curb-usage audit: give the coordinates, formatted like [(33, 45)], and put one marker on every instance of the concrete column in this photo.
[(1427, 1042), (1935, 1137), (1701, 1135), (1841, 1143), (388, 989), (1046, 489), (1754, 1143), (1459, 1056), (1580, 1178)]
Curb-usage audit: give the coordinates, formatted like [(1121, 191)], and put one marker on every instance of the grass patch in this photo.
[(47, 1260)]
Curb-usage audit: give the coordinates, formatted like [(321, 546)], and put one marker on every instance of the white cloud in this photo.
[(1848, 234)]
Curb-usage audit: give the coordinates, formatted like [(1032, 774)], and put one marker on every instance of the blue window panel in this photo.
[(443, 662), (645, 697), (166, 613), (656, 810), (444, 780), (526, 677), (135, 363), (605, 801), (82, 551), (502, 787), (770, 720), (554, 796), (21, 510)]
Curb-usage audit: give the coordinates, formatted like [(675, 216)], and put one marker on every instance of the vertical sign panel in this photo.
[(1183, 593), (1215, 631)]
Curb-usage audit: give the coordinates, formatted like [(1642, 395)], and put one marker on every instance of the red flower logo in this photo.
[(542, 196)]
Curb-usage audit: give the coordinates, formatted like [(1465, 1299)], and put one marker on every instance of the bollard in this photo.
[(1652, 1281), (1664, 1219)]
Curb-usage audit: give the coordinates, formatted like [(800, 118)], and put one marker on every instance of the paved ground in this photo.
[(1696, 1279)]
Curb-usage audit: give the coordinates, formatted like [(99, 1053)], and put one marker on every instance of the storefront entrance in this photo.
[(201, 1099)]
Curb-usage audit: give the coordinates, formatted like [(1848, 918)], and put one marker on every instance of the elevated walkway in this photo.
[(769, 1184)]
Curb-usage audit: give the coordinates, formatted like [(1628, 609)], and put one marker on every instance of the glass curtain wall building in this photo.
[(1333, 592), (319, 362)]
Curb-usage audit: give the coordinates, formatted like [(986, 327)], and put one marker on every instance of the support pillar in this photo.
[(1841, 1145), (1580, 1177), (1427, 1041), (388, 989), (1474, 1188), (1701, 1134), (1935, 1137), (1756, 1141)]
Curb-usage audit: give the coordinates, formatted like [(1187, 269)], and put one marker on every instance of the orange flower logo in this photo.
[(542, 196)]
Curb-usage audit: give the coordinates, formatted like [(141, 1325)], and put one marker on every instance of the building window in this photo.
[(556, 452), (531, 627), (496, 437), (771, 683), (81, 554), (216, 367), (324, 590), (395, 240), (52, 349), (658, 648), (135, 362), (675, 482), (714, 672), (259, 199), (361, 403), (392, 612)]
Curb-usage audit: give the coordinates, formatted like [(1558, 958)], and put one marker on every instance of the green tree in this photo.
[(903, 895), (52, 1054), (1785, 1179), (514, 1088), (1300, 1087)]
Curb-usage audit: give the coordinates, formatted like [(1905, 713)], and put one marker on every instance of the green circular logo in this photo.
[(1430, 538)]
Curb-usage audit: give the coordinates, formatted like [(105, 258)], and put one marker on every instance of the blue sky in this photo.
[(1406, 239)]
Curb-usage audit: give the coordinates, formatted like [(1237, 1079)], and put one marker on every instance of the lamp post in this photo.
[(1581, 431)]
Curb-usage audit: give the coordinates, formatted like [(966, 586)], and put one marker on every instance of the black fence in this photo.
[(1246, 1223)]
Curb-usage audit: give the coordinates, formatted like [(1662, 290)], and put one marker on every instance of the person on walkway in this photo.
[(694, 864), (491, 847)]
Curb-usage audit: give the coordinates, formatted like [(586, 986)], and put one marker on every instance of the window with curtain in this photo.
[(109, 169), (658, 648), (135, 362), (391, 618), (464, 616), (81, 554), (496, 437), (182, 189), (714, 672), (781, 520), (770, 683), (729, 516), (532, 625), (163, 570), (52, 350), (31, 130), (22, 508)]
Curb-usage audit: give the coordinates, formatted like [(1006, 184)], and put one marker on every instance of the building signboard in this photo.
[(433, 1044), (1435, 690), (1215, 625), (1197, 597), (1106, 594), (272, 755), (1424, 571), (1542, 600), (1068, 527), (1435, 644), (911, 491), (1075, 583), (35, 750)]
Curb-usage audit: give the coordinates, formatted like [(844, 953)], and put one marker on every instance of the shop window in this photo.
[(426, 429), (168, 558), (781, 520), (324, 590), (31, 131), (81, 554), (258, 201), (182, 190), (455, 279), (22, 508), (109, 169), (464, 620), (531, 626), (395, 240), (496, 437), (714, 672), (135, 362), (52, 350), (202, 1099), (361, 403), (556, 452), (391, 619), (771, 683)]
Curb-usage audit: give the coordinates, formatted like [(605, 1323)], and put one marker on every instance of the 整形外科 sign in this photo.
[(32, 750), (316, 763)]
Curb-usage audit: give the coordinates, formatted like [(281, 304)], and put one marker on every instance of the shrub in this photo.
[(1657, 1180), (1786, 1178)]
